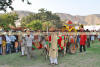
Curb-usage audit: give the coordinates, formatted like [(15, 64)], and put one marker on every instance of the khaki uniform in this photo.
[(53, 52)]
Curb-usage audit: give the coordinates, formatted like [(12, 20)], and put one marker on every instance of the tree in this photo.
[(46, 25), (45, 17), (42, 10), (4, 4), (7, 20), (35, 25)]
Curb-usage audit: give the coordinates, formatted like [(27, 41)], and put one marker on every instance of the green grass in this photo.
[(89, 59)]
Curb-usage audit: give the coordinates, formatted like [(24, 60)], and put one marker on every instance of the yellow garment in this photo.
[(3, 43)]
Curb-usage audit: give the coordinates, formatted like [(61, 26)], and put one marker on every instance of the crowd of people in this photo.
[(15, 43), (8, 44)]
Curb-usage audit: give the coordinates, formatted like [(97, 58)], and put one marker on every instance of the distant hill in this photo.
[(93, 19), (22, 14)]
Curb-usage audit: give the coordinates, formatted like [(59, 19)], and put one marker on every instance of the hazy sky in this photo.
[(74, 7)]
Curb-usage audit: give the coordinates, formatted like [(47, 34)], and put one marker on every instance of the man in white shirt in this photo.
[(29, 39)]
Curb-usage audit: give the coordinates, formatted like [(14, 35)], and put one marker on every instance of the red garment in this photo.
[(50, 38), (37, 47), (99, 39), (59, 42), (40, 46), (72, 40), (83, 39)]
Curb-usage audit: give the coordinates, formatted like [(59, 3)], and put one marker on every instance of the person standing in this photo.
[(98, 37), (78, 40), (23, 43), (92, 37), (0, 45), (53, 51), (29, 39), (8, 44), (16, 46), (88, 39), (83, 39), (19, 41), (13, 38), (3, 45)]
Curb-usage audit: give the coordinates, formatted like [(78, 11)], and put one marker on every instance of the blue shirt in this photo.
[(8, 40), (0, 40), (13, 38)]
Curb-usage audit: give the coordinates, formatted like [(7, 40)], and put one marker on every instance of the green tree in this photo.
[(8, 19), (44, 16), (26, 20), (35, 25)]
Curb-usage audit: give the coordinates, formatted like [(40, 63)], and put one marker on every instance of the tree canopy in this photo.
[(35, 25), (46, 17), (7, 20), (4, 4)]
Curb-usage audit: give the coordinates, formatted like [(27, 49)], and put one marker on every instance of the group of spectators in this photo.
[(15, 43), (9, 44)]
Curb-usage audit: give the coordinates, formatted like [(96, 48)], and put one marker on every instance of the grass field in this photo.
[(89, 59)]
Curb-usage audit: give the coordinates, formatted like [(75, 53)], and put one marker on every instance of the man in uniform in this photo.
[(53, 51)]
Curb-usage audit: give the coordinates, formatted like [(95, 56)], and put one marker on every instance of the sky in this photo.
[(73, 7)]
